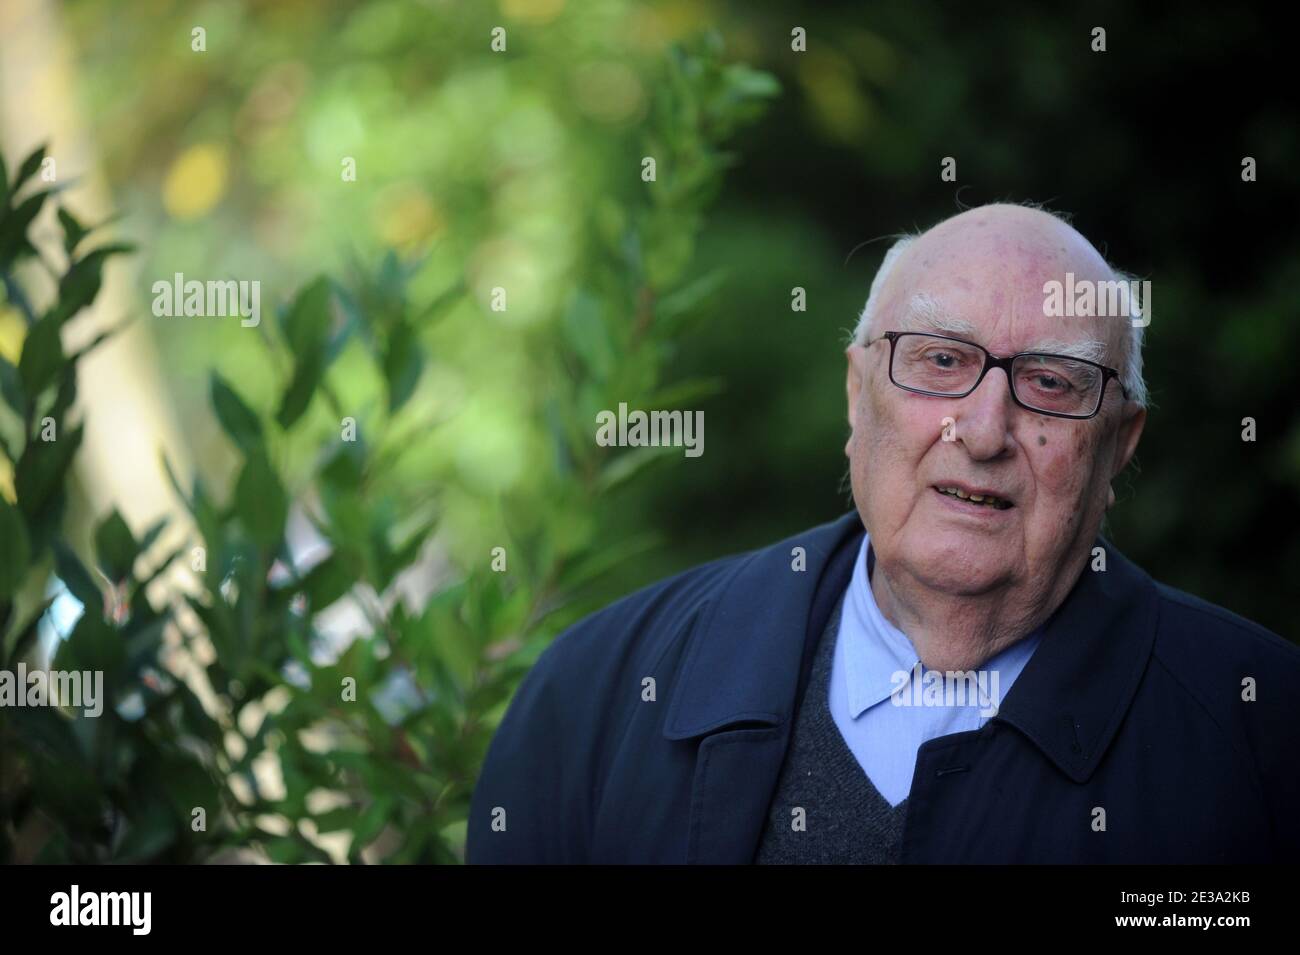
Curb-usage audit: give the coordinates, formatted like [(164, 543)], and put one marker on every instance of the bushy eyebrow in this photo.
[(1087, 350), (925, 313)]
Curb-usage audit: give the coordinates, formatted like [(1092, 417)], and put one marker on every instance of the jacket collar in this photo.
[(747, 660), (1077, 687)]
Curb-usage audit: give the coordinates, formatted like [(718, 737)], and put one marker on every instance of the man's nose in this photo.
[(984, 417)]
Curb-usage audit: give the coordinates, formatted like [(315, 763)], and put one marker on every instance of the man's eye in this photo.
[(944, 360), (1050, 383)]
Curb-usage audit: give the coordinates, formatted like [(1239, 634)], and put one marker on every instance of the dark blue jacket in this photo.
[(1132, 704)]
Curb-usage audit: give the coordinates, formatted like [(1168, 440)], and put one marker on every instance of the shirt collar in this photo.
[(875, 650)]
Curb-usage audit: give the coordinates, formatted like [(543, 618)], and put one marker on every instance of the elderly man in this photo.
[(960, 671)]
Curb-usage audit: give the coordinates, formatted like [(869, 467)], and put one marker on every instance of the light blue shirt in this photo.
[(886, 703)]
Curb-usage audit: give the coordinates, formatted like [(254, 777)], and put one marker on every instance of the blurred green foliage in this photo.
[(280, 731)]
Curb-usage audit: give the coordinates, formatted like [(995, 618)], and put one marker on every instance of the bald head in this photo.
[(988, 267)]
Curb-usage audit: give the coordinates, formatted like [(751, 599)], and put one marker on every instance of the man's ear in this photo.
[(854, 379), (1130, 432)]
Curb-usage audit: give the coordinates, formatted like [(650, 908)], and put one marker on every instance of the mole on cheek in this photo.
[(1042, 439)]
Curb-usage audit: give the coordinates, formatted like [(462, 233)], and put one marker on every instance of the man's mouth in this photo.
[(977, 499)]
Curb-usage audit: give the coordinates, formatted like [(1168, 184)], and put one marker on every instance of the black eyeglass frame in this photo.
[(991, 361)]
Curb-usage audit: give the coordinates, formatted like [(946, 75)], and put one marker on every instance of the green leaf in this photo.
[(82, 282), (307, 323), (42, 355), (115, 547), (29, 166), (75, 576), (335, 820), (403, 363), (216, 621), (307, 374), (327, 582), (237, 419), (261, 502), (92, 645), (66, 394), (346, 467), (349, 521), (14, 226), (306, 329), (38, 477), (73, 231), (371, 823), (746, 81), (391, 562), (15, 550)]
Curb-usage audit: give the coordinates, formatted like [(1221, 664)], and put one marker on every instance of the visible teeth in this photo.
[(988, 500)]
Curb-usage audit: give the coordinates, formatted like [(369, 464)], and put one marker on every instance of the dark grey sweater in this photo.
[(845, 819)]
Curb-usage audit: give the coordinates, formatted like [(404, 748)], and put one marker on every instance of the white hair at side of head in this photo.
[(1131, 367), (1131, 372), (863, 329)]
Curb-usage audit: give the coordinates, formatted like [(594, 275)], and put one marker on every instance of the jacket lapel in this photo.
[(743, 677), (1077, 687)]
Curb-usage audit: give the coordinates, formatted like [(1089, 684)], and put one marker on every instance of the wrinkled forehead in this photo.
[(1009, 283)]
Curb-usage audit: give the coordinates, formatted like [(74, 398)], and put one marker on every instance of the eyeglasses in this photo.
[(944, 367)]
